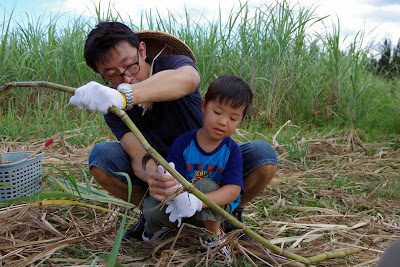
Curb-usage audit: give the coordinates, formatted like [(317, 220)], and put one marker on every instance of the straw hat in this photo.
[(157, 40)]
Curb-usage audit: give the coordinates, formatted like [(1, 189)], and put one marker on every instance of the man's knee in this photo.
[(97, 172), (263, 172), (106, 159), (259, 178), (256, 154), (267, 171), (101, 176)]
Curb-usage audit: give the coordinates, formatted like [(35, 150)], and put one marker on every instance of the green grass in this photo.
[(295, 75), (77, 251)]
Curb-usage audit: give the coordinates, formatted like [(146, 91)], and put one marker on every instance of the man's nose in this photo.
[(127, 79)]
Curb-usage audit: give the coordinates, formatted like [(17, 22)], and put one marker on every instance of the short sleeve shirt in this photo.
[(224, 165), (168, 119)]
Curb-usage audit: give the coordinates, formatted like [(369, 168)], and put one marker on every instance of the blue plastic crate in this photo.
[(20, 176)]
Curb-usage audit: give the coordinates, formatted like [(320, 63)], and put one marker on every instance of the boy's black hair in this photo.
[(103, 38), (228, 89)]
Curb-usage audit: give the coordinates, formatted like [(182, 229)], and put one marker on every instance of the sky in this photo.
[(376, 18)]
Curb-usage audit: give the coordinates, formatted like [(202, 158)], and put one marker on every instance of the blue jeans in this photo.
[(111, 157)]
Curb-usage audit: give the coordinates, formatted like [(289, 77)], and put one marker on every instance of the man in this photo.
[(162, 98)]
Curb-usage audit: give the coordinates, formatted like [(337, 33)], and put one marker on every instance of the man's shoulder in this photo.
[(171, 57), (174, 61)]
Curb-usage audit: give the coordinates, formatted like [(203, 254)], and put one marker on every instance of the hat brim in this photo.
[(156, 40)]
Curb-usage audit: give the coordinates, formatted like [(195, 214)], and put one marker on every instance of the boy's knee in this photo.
[(206, 185), (152, 208)]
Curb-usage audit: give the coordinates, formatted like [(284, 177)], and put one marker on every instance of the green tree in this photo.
[(396, 60), (384, 61)]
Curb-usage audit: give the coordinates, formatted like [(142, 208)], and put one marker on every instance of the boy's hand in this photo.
[(160, 169), (184, 205)]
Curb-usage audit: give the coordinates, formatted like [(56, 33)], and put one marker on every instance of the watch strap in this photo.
[(126, 90)]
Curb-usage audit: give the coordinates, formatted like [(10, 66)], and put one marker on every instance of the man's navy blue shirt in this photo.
[(167, 120)]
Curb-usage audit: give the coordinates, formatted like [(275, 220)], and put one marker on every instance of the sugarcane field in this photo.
[(326, 107)]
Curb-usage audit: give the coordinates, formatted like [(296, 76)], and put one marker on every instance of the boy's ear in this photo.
[(203, 105)]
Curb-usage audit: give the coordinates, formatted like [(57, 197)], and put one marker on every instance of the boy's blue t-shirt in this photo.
[(224, 165), (168, 119)]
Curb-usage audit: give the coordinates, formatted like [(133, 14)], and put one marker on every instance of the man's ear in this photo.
[(142, 49)]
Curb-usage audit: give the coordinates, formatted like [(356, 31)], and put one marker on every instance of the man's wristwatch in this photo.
[(126, 90)]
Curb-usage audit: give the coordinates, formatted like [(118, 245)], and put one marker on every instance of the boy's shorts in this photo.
[(156, 218), (111, 157)]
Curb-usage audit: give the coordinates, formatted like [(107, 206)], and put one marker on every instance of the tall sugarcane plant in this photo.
[(186, 185)]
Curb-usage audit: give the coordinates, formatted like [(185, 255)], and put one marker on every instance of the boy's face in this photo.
[(220, 120)]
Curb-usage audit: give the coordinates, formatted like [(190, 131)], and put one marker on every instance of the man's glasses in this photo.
[(130, 71)]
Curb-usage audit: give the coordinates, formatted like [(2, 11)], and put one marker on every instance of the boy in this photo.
[(210, 159)]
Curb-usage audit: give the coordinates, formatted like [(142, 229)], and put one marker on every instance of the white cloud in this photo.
[(379, 16), (135, 8), (377, 19)]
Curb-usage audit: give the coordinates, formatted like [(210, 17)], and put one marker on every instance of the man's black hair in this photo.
[(103, 38), (228, 89)]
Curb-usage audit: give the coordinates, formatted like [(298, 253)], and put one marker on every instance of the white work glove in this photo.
[(97, 97), (184, 205), (160, 169)]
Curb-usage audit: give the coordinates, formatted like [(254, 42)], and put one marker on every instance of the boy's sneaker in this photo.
[(224, 254), (147, 237), (137, 230), (228, 227)]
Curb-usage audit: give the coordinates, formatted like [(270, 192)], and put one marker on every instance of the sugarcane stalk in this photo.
[(187, 185), (45, 84)]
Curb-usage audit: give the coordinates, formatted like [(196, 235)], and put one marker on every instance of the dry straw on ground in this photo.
[(305, 210)]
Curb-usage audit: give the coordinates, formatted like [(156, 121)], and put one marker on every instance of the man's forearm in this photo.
[(135, 150), (166, 85), (149, 167)]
